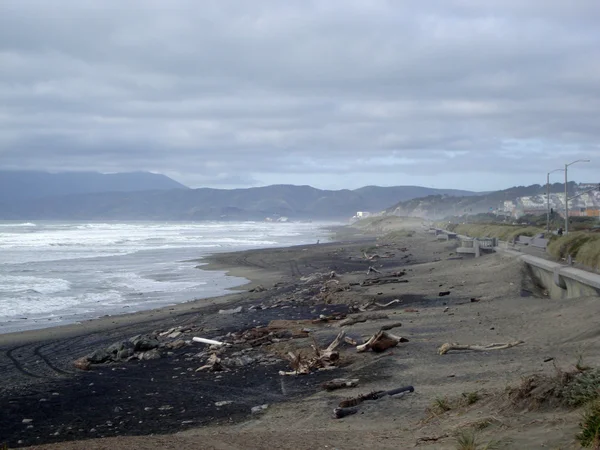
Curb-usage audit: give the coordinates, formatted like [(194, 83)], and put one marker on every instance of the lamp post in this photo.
[(548, 198), (566, 194)]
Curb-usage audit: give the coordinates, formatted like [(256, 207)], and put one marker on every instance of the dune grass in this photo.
[(584, 247), (502, 232)]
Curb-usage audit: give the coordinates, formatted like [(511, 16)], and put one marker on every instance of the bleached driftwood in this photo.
[(385, 305), (323, 359), (349, 340), (213, 364), (381, 342), (372, 269), (482, 348), (207, 341), (361, 318)]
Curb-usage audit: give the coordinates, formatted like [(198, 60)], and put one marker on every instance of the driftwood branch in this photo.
[(362, 318), (381, 342), (391, 326), (323, 359), (375, 395), (338, 383), (482, 348)]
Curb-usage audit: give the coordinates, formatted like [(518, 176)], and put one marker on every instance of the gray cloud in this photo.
[(335, 94)]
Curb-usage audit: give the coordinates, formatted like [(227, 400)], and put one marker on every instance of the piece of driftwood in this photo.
[(338, 413), (385, 305), (388, 279), (372, 269), (482, 348), (391, 326), (207, 341), (349, 340), (213, 364), (339, 383), (361, 318), (375, 395), (323, 359), (380, 342)]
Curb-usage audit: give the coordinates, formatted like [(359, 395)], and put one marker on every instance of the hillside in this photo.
[(438, 206), (24, 185), (295, 202)]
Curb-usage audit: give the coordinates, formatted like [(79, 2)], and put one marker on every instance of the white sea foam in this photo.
[(66, 270)]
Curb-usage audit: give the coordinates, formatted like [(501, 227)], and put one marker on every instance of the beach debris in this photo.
[(231, 311), (259, 288), (339, 413), (358, 318), (375, 395), (475, 299), (385, 305), (223, 403), (483, 348), (426, 439), (372, 269), (339, 383), (444, 293), (323, 359), (213, 364), (258, 409), (373, 257), (413, 310), (391, 326), (208, 341), (380, 342)]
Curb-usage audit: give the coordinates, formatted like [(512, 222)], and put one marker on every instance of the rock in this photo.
[(144, 343), (82, 363), (223, 403), (259, 409), (150, 355), (99, 356), (180, 343), (124, 353), (116, 347), (174, 334), (26, 420)]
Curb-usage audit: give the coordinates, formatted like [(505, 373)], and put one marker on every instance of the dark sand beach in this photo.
[(166, 403)]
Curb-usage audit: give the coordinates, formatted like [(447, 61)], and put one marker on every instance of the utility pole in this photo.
[(548, 198), (567, 195)]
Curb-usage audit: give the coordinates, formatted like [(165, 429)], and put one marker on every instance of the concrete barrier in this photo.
[(560, 281)]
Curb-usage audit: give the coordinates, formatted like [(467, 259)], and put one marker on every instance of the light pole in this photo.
[(566, 194), (548, 198)]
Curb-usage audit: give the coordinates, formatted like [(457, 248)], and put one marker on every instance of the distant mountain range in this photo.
[(146, 196)]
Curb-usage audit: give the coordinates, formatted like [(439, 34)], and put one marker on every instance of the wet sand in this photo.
[(167, 397)]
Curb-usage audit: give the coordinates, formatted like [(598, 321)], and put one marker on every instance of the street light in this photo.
[(566, 194), (548, 197)]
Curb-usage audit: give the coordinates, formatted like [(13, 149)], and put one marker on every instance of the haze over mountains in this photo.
[(146, 196)]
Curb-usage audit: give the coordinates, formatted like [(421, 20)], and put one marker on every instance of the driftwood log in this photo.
[(380, 342), (338, 413), (213, 364), (375, 395), (339, 383), (391, 326), (482, 348)]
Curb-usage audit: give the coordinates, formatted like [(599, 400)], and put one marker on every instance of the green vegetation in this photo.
[(589, 436), (467, 440), (584, 388), (584, 247), (441, 405), (470, 397)]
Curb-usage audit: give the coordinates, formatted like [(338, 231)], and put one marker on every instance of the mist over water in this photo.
[(55, 273)]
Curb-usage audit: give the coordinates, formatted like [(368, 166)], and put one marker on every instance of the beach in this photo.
[(436, 296)]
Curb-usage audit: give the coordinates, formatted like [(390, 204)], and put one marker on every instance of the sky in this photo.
[(465, 94)]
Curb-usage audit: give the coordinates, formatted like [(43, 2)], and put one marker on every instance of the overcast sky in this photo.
[(466, 94)]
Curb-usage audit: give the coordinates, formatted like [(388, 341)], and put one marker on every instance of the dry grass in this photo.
[(582, 246), (467, 440), (589, 436)]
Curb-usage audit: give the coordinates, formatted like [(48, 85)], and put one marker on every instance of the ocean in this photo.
[(55, 273)]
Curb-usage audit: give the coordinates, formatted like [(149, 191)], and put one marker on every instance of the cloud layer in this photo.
[(337, 93)]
